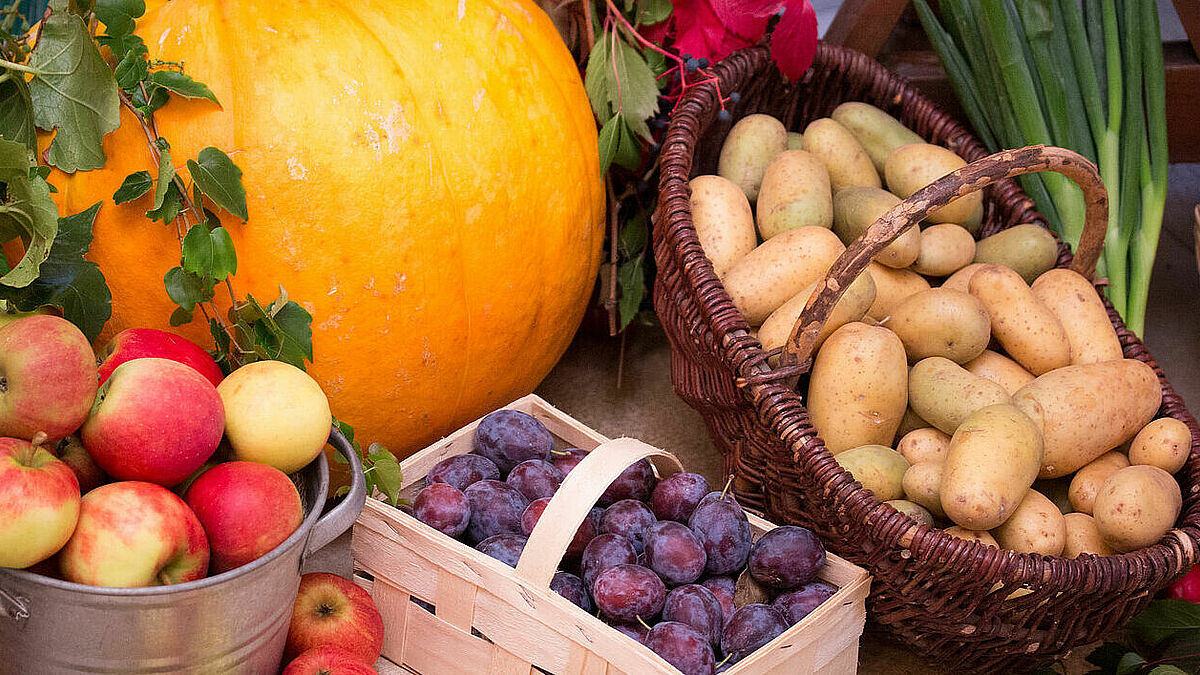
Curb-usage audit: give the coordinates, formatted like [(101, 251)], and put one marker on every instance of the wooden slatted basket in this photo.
[(490, 618)]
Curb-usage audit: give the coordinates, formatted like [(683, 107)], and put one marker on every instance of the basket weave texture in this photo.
[(959, 603)]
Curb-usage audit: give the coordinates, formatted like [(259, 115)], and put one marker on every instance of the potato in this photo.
[(924, 445), (878, 132), (1084, 411), (844, 158), (858, 389), (911, 167), (982, 537), (914, 511), (1000, 369), (1028, 249), (944, 393), (993, 460), (851, 307), (778, 269), (910, 423), (974, 222), (922, 485), (941, 322), (1026, 328), (1079, 309), (1087, 481), (879, 468), (856, 208), (960, 280), (723, 220), (1083, 537), (795, 141), (945, 249), (1136, 507), (1037, 526), (749, 147), (1165, 443), (795, 193), (1057, 490), (892, 286)]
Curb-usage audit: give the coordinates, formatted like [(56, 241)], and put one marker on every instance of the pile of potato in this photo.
[(968, 384)]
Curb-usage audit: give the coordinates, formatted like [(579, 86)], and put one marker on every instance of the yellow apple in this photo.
[(275, 414)]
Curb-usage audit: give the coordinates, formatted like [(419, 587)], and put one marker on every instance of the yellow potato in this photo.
[(992, 462), (723, 221), (979, 536), (1028, 249), (1084, 411), (941, 322), (878, 132), (879, 468), (858, 389), (1136, 507), (749, 147), (999, 369), (795, 141), (924, 445), (1083, 537), (1087, 481), (844, 158), (1079, 309), (944, 393), (795, 193), (856, 208), (914, 511), (1057, 490), (778, 269), (1026, 328), (1037, 526), (910, 423), (922, 485), (892, 286), (960, 280), (974, 222), (911, 167), (945, 249), (1166, 443), (853, 304)]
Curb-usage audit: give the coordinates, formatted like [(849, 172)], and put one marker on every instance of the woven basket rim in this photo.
[(928, 544)]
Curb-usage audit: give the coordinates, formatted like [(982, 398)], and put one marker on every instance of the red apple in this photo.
[(246, 508), (154, 420), (47, 377), (327, 660), (140, 343), (134, 533), (39, 503), (331, 610), (73, 454)]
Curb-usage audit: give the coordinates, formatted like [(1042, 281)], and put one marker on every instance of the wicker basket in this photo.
[(529, 628), (961, 604)]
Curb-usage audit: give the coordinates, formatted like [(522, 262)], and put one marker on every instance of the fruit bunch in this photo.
[(670, 563), (151, 467)]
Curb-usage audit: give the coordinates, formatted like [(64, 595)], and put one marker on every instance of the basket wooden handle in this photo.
[(911, 211), (575, 498)]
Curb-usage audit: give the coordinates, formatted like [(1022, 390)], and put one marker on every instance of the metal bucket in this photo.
[(235, 622)]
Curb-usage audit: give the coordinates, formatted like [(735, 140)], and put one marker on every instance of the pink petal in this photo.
[(700, 33), (794, 40), (746, 18)]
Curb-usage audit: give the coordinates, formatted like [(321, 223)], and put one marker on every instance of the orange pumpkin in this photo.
[(422, 176)]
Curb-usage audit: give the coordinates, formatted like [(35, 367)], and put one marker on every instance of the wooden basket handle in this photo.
[(575, 498), (911, 211)]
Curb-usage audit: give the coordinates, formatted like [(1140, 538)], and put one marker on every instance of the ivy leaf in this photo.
[(633, 286), (166, 175), (187, 289), (158, 97), (617, 145), (1163, 619), (171, 204), (209, 253), (182, 84), (386, 472), (282, 331), (221, 340), (295, 325), (633, 235), (220, 179), (16, 112), (75, 286), (27, 209), (132, 69), (650, 12), (618, 80), (118, 15), (73, 91), (134, 186)]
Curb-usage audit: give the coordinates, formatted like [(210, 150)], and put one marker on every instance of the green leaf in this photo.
[(74, 92), (67, 281), (4, 268), (180, 317), (221, 340), (347, 431), (618, 80), (282, 331), (132, 69), (134, 186), (16, 112), (158, 98), (209, 253), (28, 209), (633, 286), (633, 235), (295, 325), (610, 136), (221, 180), (650, 12), (171, 204), (186, 289), (597, 77), (386, 472), (1168, 669), (1163, 619), (118, 15), (629, 152), (1182, 650), (182, 84), (166, 176), (1130, 663), (1107, 656)]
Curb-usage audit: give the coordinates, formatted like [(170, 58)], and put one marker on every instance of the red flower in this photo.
[(713, 28)]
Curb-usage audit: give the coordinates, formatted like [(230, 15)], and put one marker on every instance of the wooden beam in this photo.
[(866, 24), (1189, 15)]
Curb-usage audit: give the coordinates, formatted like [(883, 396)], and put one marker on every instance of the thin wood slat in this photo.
[(505, 621)]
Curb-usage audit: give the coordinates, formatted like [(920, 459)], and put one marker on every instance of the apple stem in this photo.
[(38, 439)]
